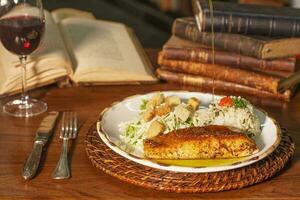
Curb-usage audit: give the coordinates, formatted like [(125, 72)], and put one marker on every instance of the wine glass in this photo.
[(22, 25)]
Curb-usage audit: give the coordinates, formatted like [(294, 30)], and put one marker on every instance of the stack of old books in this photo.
[(252, 50)]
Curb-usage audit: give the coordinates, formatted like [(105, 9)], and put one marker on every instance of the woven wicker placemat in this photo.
[(103, 158)]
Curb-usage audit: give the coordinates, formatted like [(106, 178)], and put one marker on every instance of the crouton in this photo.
[(173, 100), (156, 100), (155, 129), (182, 112), (162, 110), (193, 103), (148, 115)]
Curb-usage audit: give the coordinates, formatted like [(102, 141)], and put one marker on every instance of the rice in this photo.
[(243, 119)]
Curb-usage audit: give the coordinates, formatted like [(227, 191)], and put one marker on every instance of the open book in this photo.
[(79, 48)]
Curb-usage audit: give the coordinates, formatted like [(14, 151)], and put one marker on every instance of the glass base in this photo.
[(28, 108)]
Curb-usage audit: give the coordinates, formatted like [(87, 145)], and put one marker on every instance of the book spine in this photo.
[(228, 42), (226, 21), (277, 3), (231, 59), (220, 72), (279, 74), (251, 24), (219, 85)]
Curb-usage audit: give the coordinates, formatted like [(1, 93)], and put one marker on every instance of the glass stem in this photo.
[(24, 96)]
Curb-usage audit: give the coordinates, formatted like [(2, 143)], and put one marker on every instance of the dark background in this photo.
[(151, 19), (151, 25)]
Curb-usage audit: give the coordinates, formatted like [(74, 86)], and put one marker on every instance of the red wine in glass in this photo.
[(22, 25), (21, 35)]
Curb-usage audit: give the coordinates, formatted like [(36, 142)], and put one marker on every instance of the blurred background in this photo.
[(151, 19)]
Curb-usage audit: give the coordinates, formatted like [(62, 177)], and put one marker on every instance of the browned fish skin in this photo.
[(200, 143)]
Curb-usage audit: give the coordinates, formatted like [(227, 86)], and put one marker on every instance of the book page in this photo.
[(64, 13), (100, 48), (51, 59)]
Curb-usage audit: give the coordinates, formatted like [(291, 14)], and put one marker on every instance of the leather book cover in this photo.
[(279, 74), (179, 49), (229, 17), (252, 46), (207, 83), (220, 72)]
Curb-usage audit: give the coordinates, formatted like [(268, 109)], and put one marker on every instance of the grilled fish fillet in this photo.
[(206, 142)]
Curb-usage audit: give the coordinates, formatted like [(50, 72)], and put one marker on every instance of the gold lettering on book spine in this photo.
[(193, 55), (230, 23), (187, 80), (203, 57), (191, 32), (239, 25)]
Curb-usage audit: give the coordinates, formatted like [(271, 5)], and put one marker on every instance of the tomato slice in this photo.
[(226, 101)]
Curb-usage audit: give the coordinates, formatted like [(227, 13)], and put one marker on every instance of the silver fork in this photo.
[(68, 131)]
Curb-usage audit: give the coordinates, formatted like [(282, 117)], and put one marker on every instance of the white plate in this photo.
[(128, 109)]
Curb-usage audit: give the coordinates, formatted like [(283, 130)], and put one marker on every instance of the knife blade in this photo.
[(43, 134)]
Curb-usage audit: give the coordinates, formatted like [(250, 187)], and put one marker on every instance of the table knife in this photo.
[(43, 134)]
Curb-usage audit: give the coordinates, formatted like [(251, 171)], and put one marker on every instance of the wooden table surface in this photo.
[(17, 134)]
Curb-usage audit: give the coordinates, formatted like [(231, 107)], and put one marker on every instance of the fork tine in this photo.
[(63, 126), (66, 124), (75, 125), (69, 125), (70, 120)]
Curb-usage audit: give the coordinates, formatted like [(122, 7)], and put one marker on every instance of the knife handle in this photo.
[(33, 161)]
